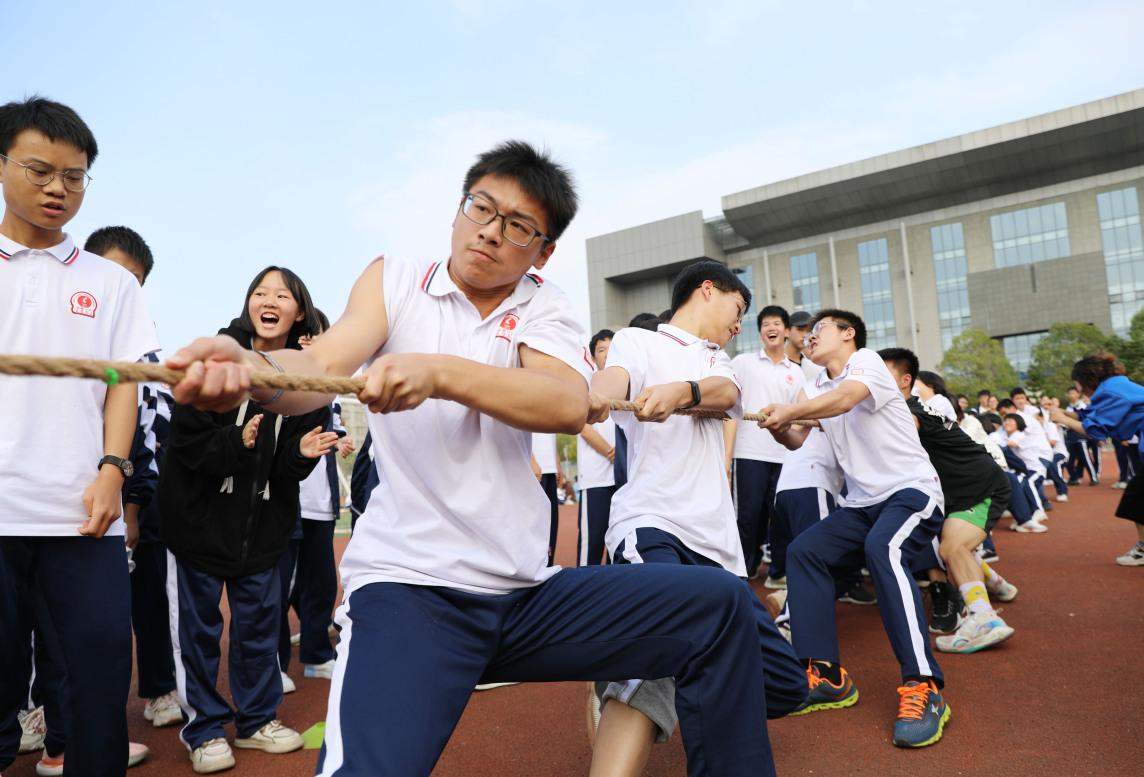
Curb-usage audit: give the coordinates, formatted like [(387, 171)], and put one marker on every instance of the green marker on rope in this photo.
[(112, 376)]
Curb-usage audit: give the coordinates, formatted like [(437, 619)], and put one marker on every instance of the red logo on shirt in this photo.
[(712, 364), (507, 326), (83, 304), (789, 378)]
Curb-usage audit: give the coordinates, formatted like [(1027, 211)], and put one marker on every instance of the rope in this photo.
[(113, 373)]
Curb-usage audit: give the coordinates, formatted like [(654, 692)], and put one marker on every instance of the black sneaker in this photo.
[(989, 556), (946, 603), (1074, 482), (857, 594)]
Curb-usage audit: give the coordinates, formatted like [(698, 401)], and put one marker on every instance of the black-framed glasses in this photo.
[(39, 175), (481, 210)]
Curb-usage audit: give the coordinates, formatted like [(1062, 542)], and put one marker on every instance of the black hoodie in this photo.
[(229, 510)]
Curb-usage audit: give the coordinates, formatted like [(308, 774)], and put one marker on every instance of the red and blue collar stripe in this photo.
[(430, 274), (5, 255), (673, 337), (534, 278), (72, 256)]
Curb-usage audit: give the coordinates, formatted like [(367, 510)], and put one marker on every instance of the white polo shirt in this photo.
[(676, 478), (544, 451), (811, 466), (595, 470), (764, 383), (1035, 431), (60, 301), (1027, 451), (457, 504), (876, 443)]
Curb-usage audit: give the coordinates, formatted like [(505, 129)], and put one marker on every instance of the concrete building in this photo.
[(1009, 229)]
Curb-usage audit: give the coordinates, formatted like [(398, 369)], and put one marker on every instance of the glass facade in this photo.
[(1123, 254), (804, 281), (1019, 351), (877, 294), (748, 339), (1030, 235), (950, 265)]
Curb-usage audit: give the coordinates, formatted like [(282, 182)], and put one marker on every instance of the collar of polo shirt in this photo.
[(685, 337), (66, 251), (785, 360), (438, 284)]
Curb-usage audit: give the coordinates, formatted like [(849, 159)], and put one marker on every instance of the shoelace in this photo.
[(913, 702), (814, 678)]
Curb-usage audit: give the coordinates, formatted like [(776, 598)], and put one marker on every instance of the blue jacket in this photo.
[(1116, 411)]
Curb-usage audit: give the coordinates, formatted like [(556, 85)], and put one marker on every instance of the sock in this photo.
[(832, 672), (976, 597), (992, 579)]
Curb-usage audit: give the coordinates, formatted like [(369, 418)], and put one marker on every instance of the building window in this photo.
[(804, 280), (950, 265), (1123, 254), (748, 340), (877, 296), (1030, 235), (1019, 351)]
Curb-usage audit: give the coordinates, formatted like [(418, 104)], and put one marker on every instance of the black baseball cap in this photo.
[(800, 318)]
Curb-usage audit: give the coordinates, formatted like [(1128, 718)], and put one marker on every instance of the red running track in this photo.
[(1061, 698)]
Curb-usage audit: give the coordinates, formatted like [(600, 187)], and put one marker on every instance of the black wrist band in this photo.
[(695, 396)]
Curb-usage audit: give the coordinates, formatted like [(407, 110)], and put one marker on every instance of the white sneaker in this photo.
[(1062, 497), (977, 632), (211, 756), (32, 729), (272, 738), (1004, 592), (490, 686), (1121, 485), (1031, 526), (287, 684), (164, 710), (775, 583), (1133, 558), (1040, 516), (323, 671)]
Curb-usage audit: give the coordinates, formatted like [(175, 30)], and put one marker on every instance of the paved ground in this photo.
[(1060, 698)]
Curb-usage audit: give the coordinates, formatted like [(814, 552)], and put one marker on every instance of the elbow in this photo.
[(572, 417)]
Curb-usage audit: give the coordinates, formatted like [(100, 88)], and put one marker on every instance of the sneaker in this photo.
[(1002, 592), (766, 553), (490, 686), (922, 715), (287, 684), (1031, 526), (977, 632), (272, 738), (137, 752), (32, 729), (1062, 497), (825, 695), (1047, 506), (164, 710), (212, 756), (1094, 482), (775, 583), (989, 556), (857, 594), (1040, 515), (775, 602), (1133, 558), (1074, 482), (50, 765), (1120, 485), (323, 671), (945, 607)]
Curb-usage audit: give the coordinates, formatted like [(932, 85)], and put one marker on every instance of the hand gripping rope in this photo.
[(113, 373)]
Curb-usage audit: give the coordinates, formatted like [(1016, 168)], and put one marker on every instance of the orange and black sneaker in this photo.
[(825, 695), (922, 715)]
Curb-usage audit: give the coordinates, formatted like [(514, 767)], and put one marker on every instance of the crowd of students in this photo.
[(864, 467)]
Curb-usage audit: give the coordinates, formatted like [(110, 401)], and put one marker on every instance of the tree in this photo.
[(976, 361), (1066, 343)]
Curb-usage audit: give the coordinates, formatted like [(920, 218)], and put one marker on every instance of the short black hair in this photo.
[(541, 177), (776, 311), (126, 240), (693, 275), (984, 393), (1004, 403), (903, 359), (1018, 390), (323, 320), (1021, 425), (603, 334), (989, 422), (851, 320), (665, 315), (648, 321), (56, 121), (310, 323)]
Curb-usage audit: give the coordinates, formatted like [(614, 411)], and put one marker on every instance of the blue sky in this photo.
[(319, 135)]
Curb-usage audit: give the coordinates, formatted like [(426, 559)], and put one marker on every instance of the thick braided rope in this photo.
[(143, 372)]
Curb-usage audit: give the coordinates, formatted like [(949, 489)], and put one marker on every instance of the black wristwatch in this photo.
[(695, 397), (125, 466)]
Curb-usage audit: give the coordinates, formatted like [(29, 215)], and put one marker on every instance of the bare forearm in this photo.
[(828, 405), (531, 399), (120, 414), (297, 363)]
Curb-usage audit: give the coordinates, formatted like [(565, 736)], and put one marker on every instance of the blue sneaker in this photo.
[(825, 695), (922, 715)]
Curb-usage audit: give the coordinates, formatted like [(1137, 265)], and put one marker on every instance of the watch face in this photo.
[(128, 469)]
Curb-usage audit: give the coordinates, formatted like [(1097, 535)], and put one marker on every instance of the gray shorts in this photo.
[(654, 698)]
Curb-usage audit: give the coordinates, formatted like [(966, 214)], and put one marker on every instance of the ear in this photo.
[(544, 256)]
